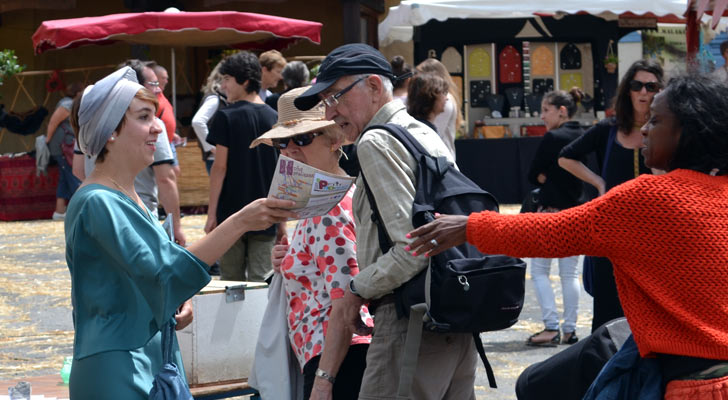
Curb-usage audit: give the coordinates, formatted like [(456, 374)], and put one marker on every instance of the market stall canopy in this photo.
[(215, 28), (696, 10), (716, 8), (399, 23)]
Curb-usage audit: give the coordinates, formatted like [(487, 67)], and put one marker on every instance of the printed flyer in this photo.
[(315, 191)]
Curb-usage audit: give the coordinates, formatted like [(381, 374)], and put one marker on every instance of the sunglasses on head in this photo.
[(636, 86), (301, 140)]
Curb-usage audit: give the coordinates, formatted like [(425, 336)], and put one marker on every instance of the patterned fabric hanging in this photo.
[(542, 61), (569, 80), (570, 57), (479, 63), (510, 65)]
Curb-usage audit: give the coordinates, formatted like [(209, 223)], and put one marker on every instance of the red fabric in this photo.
[(667, 237), (166, 114), (509, 62), (537, 130), (692, 33), (23, 195), (215, 28), (709, 389)]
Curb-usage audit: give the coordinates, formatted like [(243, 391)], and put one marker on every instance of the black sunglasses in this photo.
[(636, 86), (301, 140)]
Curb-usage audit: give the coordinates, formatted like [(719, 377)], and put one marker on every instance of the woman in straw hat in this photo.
[(319, 262), (128, 278)]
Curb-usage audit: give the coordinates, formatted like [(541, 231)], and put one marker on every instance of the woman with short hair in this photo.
[(447, 122), (427, 95)]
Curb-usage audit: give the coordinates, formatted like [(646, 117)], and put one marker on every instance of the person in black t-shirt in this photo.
[(239, 174)]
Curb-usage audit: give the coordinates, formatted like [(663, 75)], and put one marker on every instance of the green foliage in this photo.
[(611, 59), (9, 65)]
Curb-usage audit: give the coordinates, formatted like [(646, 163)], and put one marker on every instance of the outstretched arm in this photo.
[(256, 216)]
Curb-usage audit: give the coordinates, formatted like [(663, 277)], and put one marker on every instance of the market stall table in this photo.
[(224, 390)]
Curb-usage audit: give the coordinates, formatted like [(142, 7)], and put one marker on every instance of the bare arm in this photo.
[(217, 175), (581, 171), (169, 197), (336, 345), (57, 117), (256, 216)]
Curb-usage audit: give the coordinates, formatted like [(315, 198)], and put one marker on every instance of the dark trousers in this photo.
[(348, 379), (606, 301), (568, 374)]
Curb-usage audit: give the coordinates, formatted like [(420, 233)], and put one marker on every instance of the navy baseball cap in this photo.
[(349, 59)]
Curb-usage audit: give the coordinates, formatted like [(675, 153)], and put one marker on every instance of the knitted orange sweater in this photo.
[(667, 237)]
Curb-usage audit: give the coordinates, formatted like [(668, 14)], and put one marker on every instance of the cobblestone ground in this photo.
[(36, 331)]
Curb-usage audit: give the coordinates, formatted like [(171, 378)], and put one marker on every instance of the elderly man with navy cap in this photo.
[(355, 84)]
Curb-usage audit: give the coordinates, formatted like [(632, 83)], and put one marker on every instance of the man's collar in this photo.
[(383, 115)]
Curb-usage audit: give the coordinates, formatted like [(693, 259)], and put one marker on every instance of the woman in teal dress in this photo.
[(127, 278)]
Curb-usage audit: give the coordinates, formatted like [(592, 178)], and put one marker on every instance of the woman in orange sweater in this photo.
[(666, 235)]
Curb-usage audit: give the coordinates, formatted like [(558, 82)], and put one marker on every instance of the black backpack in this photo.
[(462, 290)]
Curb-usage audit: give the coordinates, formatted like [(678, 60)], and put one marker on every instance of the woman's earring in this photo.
[(112, 138)]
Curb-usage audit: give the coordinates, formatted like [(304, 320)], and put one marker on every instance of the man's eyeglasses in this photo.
[(301, 140), (152, 83), (333, 100), (637, 86)]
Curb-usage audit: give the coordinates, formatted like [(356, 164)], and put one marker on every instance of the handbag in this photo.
[(169, 383), (67, 145), (531, 201)]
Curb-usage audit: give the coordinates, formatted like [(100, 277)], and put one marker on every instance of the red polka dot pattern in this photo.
[(321, 261)]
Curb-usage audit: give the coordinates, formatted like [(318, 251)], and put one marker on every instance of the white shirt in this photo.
[(445, 124), (202, 117)]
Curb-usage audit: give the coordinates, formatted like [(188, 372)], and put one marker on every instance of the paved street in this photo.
[(36, 330)]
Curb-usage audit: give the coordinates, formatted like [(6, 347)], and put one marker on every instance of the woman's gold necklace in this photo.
[(133, 198)]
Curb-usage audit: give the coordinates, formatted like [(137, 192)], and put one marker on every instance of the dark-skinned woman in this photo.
[(666, 235)]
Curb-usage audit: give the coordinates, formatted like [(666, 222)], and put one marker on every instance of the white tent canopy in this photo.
[(399, 23)]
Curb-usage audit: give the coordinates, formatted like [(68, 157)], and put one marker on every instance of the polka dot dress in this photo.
[(321, 261)]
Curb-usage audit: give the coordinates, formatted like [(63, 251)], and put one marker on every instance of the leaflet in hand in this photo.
[(315, 191)]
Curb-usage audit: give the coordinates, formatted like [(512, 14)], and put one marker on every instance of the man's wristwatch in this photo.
[(353, 290), (325, 375)]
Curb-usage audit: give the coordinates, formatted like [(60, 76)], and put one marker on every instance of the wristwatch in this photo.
[(325, 375), (353, 290)]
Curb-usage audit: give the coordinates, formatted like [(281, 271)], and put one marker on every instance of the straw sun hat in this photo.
[(292, 121)]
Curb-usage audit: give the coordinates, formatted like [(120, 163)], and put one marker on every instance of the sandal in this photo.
[(549, 343), (570, 338)]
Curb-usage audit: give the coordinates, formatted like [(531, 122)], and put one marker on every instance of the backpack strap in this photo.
[(385, 243), (411, 350), (415, 148), (400, 133), (486, 364)]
